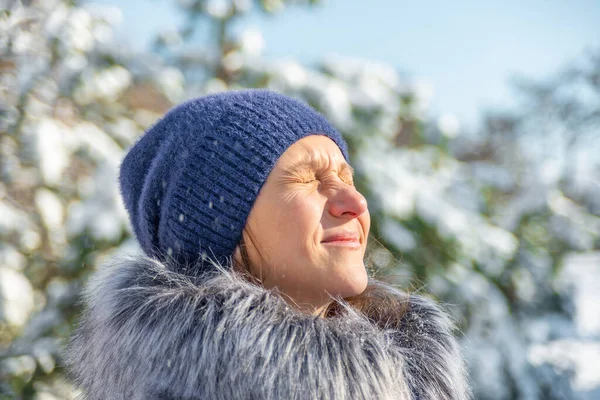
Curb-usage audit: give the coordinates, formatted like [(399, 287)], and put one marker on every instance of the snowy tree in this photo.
[(502, 227), (71, 102), (538, 167)]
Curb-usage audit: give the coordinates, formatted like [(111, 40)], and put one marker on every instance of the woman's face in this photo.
[(307, 231)]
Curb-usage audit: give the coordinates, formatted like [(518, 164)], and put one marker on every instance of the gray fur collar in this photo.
[(150, 333)]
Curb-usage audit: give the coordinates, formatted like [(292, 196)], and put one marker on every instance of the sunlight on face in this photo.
[(307, 231)]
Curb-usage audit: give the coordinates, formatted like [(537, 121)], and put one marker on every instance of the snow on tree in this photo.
[(502, 227)]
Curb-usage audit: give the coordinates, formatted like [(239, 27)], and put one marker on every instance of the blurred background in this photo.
[(474, 129)]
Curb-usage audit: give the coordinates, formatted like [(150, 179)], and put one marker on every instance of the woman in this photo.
[(253, 284)]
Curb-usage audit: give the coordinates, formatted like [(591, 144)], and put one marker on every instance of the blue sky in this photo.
[(467, 50)]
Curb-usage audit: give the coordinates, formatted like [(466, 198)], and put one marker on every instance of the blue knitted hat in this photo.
[(190, 181)]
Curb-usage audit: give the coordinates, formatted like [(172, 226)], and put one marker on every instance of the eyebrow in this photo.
[(312, 162)]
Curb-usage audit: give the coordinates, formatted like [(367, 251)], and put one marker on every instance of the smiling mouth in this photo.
[(349, 243)]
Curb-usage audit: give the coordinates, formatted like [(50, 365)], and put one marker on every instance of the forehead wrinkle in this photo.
[(317, 162)]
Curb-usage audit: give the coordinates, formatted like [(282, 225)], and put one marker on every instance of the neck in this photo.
[(308, 307), (320, 312)]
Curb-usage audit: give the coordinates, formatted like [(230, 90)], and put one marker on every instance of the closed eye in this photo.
[(309, 176), (347, 178), (344, 177)]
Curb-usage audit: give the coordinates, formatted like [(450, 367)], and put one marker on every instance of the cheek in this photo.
[(365, 222), (293, 224), (300, 219)]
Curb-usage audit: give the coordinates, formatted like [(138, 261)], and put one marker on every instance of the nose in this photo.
[(347, 202)]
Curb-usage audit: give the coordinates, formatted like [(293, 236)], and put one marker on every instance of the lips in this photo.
[(341, 238)]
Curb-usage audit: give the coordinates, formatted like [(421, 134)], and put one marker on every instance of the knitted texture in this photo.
[(190, 181)]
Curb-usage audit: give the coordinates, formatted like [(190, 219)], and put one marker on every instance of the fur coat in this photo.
[(150, 333)]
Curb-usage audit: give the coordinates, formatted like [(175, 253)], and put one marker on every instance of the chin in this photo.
[(354, 283)]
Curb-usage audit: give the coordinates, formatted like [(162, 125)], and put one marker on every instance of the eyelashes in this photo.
[(312, 178)]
